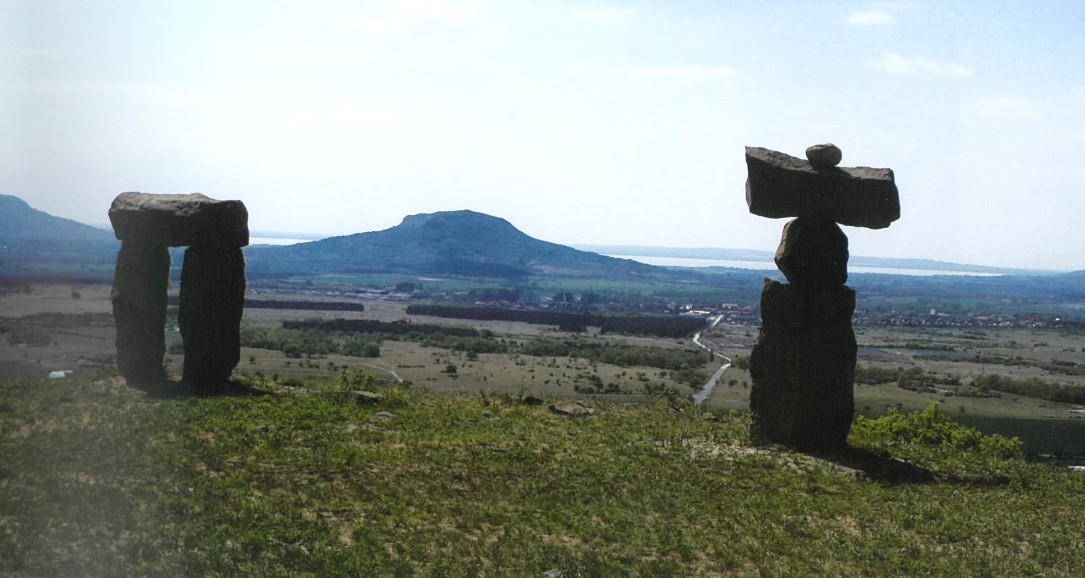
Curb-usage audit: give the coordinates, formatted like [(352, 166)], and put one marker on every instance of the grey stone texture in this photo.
[(212, 284), (779, 185), (179, 220)]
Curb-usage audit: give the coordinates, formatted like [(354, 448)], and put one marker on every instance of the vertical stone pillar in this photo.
[(139, 297), (212, 302), (803, 364)]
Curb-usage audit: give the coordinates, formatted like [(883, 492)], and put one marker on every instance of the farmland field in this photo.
[(58, 327)]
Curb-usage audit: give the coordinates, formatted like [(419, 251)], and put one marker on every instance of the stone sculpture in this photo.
[(803, 364), (212, 284)]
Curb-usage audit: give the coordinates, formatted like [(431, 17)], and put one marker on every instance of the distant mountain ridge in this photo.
[(19, 223), (35, 244), (460, 243)]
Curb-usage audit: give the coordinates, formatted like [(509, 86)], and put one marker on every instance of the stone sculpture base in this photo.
[(803, 368)]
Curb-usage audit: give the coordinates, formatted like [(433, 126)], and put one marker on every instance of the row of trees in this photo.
[(308, 343), (985, 385), (304, 305), (382, 327), (1031, 387), (658, 325), (617, 354)]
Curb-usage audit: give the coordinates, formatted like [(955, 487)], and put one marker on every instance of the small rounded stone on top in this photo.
[(824, 156)]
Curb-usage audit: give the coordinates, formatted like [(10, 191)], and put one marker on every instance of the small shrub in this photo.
[(931, 429)]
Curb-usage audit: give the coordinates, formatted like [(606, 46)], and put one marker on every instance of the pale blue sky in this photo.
[(579, 122)]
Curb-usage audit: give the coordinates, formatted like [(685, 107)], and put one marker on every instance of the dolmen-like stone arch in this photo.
[(803, 364), (212, 284)]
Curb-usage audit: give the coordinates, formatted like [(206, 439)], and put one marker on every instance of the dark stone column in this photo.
[(803, 366), (212, 302), (139, 296)]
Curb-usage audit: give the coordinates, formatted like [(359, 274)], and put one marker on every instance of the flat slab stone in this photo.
[(780, 185), (179, 220)]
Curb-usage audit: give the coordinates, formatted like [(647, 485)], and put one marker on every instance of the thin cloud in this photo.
[(691, 73), (301, 52), (870, 18), (411, 13), (1013, 108), (600, 14), (20, 51), (894, 63)]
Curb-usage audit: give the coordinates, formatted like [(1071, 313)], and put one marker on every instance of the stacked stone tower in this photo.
[(212, 284), (803, 364)]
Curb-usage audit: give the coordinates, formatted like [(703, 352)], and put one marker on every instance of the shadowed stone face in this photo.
[(140, 295), (212, 302), (803, 365), (212, 284)]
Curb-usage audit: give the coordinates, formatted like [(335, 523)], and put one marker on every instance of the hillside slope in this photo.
[(34, 243), (103, 480)]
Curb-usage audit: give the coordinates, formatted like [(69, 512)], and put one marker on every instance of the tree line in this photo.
[(303, 305), (985, 385), (617, 354), (658, 325)]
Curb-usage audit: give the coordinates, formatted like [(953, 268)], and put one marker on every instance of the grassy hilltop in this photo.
[(99, 479)]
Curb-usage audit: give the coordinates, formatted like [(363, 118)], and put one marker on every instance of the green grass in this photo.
[(100, 480)]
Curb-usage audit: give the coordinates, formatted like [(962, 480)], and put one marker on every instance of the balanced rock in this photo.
[(803, 364), (824, 156), (813, 254)]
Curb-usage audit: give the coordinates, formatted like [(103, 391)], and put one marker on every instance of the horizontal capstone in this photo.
[(179, 220), (780, 185)]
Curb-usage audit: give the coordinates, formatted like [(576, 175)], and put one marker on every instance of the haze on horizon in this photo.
[(616, 123)]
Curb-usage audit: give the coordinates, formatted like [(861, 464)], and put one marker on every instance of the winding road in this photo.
[(700, 396), (379, 368)]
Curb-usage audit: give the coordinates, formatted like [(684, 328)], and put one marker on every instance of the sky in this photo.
[(599, 122)]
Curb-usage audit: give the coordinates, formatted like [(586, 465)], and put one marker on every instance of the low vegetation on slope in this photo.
[(98, 479)]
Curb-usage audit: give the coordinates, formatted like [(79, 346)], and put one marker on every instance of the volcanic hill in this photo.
[(457, 243)]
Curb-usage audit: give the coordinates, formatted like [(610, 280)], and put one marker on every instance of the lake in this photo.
[(771, 266)]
